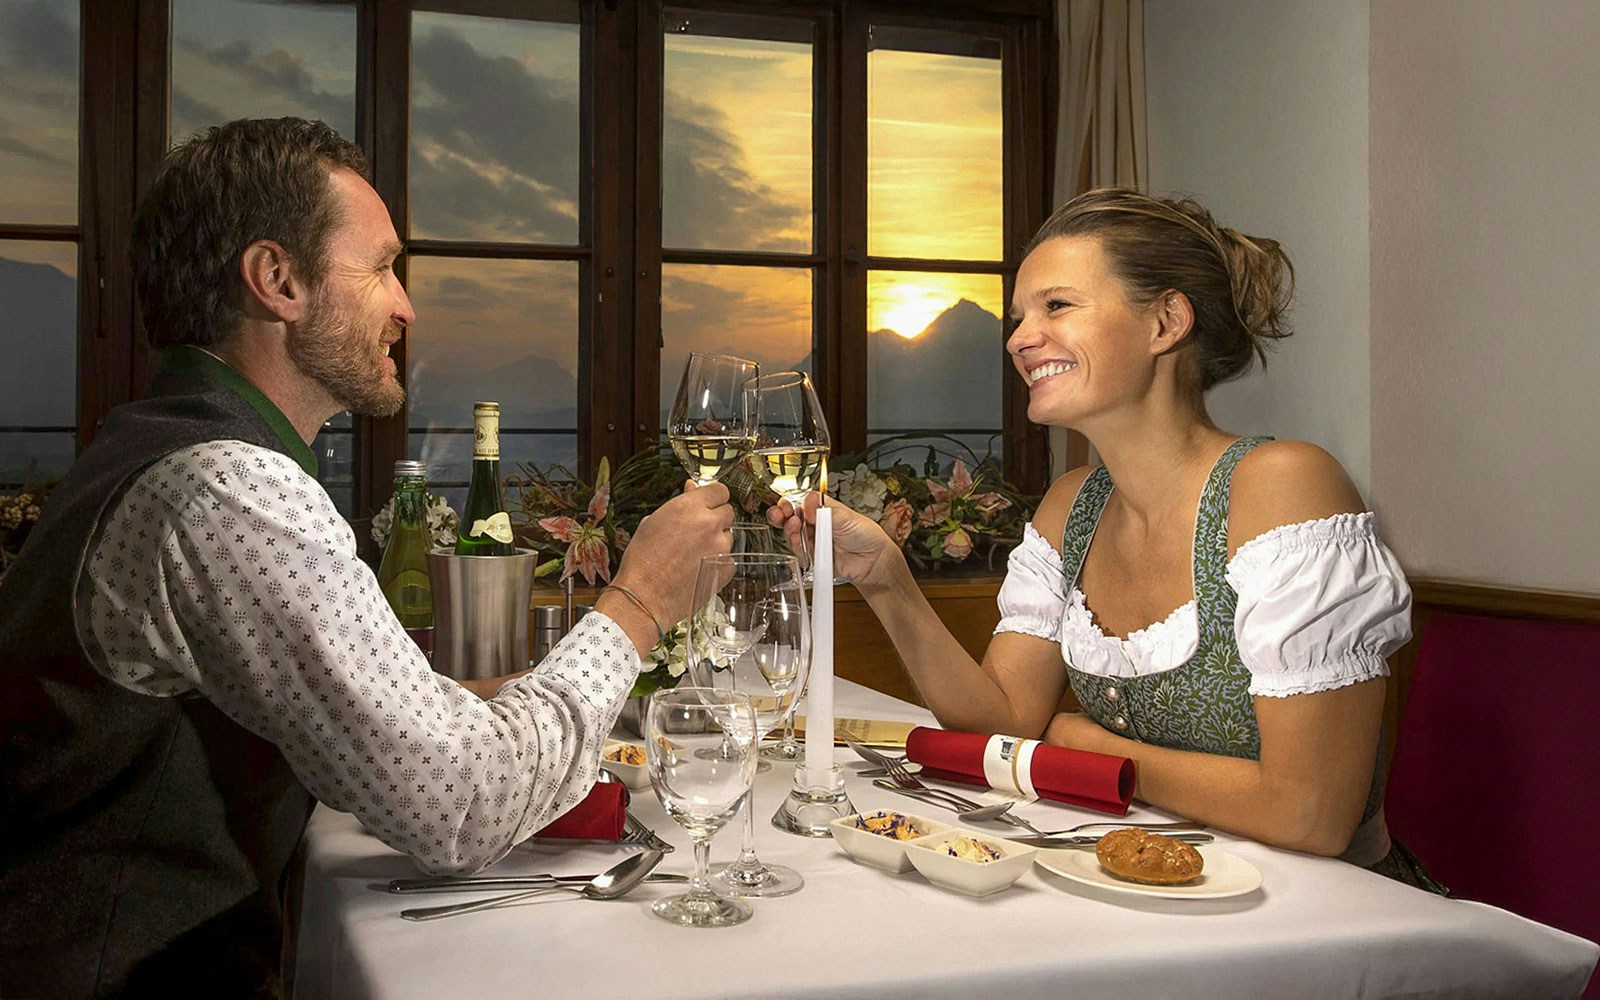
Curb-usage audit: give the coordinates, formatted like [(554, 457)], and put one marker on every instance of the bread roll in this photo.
[(1141, 856)]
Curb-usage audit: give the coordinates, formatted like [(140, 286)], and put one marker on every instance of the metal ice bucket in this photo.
[(480, 613)]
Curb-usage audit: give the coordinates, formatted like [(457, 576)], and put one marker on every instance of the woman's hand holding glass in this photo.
[(863, 553), (701, 792), (750, 631)]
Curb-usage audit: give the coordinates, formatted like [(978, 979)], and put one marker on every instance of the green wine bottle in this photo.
[(403, 573), (485, 526)]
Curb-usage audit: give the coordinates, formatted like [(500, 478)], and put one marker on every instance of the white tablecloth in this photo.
[(1316, 928)]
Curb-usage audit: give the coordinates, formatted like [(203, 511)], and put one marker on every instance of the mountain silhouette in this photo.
[(946, 376), (41, 371), (533, 391), (39, 384)]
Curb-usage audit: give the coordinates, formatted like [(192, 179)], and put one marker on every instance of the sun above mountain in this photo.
[(907, 307)]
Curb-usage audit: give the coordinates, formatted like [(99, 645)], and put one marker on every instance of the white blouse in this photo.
[(1321, 604)]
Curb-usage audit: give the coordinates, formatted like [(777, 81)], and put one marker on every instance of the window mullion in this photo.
[(643, 270), (846, 363)]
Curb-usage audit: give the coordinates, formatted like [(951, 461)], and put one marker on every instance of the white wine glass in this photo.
[(700, 793), (791, 455), (753, 601), (792, 444), (711, 426)]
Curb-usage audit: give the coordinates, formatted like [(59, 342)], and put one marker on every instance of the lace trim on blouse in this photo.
[(1321, 603)]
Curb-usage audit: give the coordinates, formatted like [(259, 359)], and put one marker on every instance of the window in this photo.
[(39, 238), (589, 190), (935, 199), (265, 59), (497, 221)]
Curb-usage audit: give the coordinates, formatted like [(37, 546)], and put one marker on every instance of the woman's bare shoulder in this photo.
[(1287, 482), (1050, 520)]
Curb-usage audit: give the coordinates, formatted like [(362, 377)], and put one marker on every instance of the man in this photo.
[(189, 645)]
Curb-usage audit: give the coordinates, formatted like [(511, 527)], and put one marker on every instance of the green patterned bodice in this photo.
[(1205, 704)]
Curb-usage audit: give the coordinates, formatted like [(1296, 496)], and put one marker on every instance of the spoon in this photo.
[(986, 813), (609, 884)]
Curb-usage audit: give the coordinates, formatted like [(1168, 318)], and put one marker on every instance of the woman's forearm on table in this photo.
[(1230, 793)]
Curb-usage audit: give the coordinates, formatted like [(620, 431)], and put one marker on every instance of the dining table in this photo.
[(1315, 926)]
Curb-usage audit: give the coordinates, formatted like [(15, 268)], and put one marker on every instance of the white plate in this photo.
[(1224, 874)]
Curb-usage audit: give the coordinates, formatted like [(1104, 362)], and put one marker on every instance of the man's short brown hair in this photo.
[(220, 190)]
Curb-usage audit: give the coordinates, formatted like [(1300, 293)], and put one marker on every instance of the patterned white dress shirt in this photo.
[(226, 571)]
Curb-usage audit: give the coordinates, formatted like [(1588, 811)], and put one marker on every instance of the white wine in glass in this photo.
[(711, 426), (792, 470), (708, 457)]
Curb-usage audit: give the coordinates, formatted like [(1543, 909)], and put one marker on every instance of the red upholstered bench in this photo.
[(1496, 775)]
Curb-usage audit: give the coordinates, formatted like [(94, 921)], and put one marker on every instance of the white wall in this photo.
[(1464, 399), (1486, 287), (1258, 108)]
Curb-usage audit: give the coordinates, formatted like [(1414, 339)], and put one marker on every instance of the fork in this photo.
[(635, 832), (896, 770)]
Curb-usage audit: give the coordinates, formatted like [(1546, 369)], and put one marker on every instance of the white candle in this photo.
[(819, 700)]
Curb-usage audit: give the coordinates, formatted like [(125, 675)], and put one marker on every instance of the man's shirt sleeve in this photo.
[(226, 571)]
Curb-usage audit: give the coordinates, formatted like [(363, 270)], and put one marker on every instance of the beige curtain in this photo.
[(1100, 130), (1100, 127)]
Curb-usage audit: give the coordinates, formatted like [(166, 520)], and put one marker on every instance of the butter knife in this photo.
[(454, 883)]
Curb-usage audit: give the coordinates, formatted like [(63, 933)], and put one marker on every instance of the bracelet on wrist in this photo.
[(661, 633)]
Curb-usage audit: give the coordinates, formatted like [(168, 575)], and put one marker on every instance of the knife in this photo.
[(453, 883), (1090, 840)]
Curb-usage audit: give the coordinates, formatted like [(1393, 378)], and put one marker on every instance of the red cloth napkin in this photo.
[(1093, 780), (601, 815)]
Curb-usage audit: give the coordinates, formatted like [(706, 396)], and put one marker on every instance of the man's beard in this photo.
[(352, 367)]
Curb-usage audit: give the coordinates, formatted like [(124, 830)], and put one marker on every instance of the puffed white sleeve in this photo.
[(1321, 604), (1033, 596)]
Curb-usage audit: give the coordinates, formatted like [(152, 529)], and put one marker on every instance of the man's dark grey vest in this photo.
[(142, 839)]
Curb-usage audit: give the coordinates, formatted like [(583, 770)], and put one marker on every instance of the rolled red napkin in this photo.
[(602, 815), (1028, 767)]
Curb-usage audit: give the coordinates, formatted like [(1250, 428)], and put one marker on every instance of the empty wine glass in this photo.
[(749, 631), (711, 426), (700, 793)]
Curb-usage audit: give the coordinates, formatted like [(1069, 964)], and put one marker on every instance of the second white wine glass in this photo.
[(711, 426), (749, 631), (792, 444)]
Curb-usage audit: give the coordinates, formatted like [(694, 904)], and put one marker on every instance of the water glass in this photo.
[(701, 793)]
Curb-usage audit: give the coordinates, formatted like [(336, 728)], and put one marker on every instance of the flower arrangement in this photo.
[(442, 521), (19, 512), (969, 516)]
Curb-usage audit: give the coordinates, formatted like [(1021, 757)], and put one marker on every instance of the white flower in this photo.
[(442, 521), (861, 491), (670, 652)]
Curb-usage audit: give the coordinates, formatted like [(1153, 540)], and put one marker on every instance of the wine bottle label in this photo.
[(496, 526), (486, 433)]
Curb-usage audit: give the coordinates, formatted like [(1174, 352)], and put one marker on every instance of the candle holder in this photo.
[(817, 798)]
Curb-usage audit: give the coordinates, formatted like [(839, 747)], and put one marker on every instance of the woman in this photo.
[(1221, 613)]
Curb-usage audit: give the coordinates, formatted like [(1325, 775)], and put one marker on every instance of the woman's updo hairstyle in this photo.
[(1239, 286)]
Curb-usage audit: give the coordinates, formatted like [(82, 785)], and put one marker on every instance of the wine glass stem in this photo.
[(747, 849), (702, 868)]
